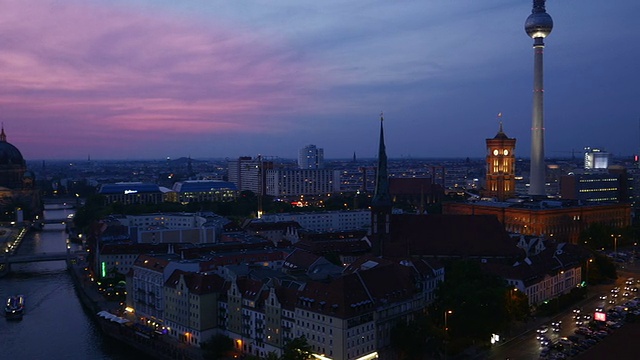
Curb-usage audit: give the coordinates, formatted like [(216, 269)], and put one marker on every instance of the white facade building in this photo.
[(296, 182), (311, 157), (248, 173), (326, 221), (595, 158)]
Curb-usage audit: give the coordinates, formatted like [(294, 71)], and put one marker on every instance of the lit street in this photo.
[(527, 346)]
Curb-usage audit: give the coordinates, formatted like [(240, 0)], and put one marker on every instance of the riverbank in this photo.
[(159, 346), (10, 240)]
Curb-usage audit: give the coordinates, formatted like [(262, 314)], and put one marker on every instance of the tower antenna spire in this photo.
[(538, 26)]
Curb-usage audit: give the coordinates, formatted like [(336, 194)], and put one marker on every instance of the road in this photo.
[(526, 346)]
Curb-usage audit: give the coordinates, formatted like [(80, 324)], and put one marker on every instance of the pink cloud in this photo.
[(84, 66)]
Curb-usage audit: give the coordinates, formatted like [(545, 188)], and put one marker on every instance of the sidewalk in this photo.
[(593, 292), (521, 328), (157, 346)]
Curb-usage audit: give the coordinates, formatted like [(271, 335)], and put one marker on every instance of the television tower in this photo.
[(538, 26)]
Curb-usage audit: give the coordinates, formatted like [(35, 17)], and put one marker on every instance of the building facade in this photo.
[(595, 158), (501, 166), (325, 221), (597, 187), (288, 183), (561, 220), (248, 174), (19, 198), (204, 190), (311, 157), (133, 193)]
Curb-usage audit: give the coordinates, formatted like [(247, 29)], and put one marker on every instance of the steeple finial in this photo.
[(500, 121), (3, 136)]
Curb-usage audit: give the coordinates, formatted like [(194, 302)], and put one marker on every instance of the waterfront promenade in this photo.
[(158, 346)]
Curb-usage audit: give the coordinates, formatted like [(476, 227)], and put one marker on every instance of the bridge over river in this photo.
[(29, 258), (60, 213)]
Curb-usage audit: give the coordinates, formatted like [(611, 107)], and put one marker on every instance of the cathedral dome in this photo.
[(9, 154)]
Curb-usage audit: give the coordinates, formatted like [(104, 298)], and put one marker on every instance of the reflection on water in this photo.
[(55, 325)]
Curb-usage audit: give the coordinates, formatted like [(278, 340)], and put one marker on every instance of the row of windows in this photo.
[(315, 316), (598, 190)]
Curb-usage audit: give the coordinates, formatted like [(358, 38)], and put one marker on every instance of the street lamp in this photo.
[(446, 315), (586, 277), (446, 330), (615, 244)]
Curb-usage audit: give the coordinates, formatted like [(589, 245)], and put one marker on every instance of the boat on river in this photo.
[(14, 308)]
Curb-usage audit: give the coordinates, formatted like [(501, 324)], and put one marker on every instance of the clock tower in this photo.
[(501, 166)]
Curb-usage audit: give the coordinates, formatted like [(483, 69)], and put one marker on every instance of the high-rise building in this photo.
[(249, 173), (613, 185), (295, 182), (595, 158), (561, 220), (311, 157), (501, 166), (538, 26)]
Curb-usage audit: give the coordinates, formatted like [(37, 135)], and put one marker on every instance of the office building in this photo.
[(614, 185), (311, 157), (248, 174), (595, 158), (288, 183), (204, 190), (134, 193)]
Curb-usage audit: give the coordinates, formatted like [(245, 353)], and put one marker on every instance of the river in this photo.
[(55, 325)]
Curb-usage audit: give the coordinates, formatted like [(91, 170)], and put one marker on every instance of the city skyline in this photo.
[(152, 79)]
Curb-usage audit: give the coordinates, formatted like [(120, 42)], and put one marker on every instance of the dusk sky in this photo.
[(150, 79)]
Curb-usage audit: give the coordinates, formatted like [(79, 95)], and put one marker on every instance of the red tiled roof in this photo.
[(349, 246), (409, 186), (358, 292), (151, 262), (300, 259), (537, 267), (449, 236), (197, 283), (249, 288)]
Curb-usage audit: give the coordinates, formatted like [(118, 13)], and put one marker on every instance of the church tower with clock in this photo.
[(501, 166)]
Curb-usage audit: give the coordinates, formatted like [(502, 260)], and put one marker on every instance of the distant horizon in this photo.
[(479, 158), (136, 78)]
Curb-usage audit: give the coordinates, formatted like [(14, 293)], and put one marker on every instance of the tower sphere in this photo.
[(538, 25)]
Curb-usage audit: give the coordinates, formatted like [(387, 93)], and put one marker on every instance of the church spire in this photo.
[(3, 136), (381, 195), (381, 204)]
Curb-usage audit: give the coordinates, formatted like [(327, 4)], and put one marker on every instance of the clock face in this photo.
[(495, 152), (506, 152)]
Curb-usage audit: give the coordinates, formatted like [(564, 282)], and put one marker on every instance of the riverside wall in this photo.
[(158, 346)]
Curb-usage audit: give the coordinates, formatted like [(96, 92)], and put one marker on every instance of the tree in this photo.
[(476, 300), (602, 269), (517, 304), (217, 347), (410, 340), (297, 349)]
